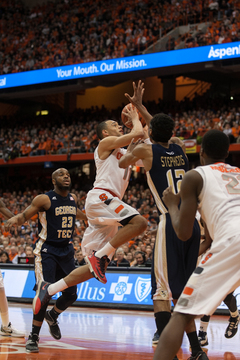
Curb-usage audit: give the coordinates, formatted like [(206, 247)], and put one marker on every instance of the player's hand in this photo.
[(176, 140), (133, 144), (11, 222), (138, 91), (169, 198), (131, 113)]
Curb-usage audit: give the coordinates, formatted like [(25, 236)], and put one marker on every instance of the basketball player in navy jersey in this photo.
[(165, 162), (54, 252)]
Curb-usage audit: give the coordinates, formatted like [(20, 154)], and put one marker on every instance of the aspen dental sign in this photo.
[(121, 65)]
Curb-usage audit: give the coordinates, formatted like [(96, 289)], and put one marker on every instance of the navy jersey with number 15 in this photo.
[(168, 168), (56, 225)]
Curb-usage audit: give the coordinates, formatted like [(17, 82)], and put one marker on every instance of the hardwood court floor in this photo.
[(106, 334)]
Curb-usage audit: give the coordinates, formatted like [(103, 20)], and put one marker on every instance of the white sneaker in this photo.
[(11, 331)]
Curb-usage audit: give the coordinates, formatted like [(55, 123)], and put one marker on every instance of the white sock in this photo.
[(56, 287), (203, 326), (112, 254), (234, 314), (106, 250)]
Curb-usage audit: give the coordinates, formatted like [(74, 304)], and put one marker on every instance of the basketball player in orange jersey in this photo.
[(6, 328), (213, 189), (105, 210)]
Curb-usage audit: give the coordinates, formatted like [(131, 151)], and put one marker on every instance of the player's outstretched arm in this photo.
[(140, 155), (39, 203), (128, 158), (5, 211), (183, 217), (136, 100)]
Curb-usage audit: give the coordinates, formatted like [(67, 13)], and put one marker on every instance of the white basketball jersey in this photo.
[(109, 175), (220, 200)]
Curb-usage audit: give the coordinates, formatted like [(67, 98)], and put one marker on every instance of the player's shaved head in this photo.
[(56, 172)]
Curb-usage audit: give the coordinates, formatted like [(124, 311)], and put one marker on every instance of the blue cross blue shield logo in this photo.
[(142, 288)]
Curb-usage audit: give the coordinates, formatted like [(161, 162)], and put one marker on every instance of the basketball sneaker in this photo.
[(232, 328), (42, 297), (11, 331), (202, 338), (201, 355), (98, 266), (32, 343), (53, 326), (155, 338)]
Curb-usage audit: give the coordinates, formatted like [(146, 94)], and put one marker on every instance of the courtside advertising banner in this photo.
[(120, 65), (123, 288)]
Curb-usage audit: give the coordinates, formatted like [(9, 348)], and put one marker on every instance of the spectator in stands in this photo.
[(29, 251), (228, 131), (41, 149), (21, 251), (120, 260), (5, 258), (235, 130), (13, 253), (130, 258), (25, 149), (79, 258), (57, 145), (140, 259), (77, 145)]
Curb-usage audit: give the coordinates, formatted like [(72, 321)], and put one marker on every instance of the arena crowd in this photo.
[(61, 33)]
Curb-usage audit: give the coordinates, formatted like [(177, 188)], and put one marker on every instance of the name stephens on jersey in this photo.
[(172, 161)]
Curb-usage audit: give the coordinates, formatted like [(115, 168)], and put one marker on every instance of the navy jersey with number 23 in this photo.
[(56, 225)]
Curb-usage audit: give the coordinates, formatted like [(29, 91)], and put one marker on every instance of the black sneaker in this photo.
[(32, 343), (155, 338), (42, 297), (232, 328), (201, 355), (53, 326), (202, 338)]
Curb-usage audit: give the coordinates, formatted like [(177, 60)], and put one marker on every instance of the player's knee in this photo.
[(142, 224)]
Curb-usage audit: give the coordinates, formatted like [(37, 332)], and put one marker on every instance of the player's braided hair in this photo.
[(215, 144), (162, 127)]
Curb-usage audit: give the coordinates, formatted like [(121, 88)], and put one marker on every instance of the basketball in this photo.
[(126, 121)]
